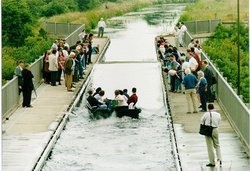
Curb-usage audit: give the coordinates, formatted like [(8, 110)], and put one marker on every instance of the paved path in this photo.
[(192, 146), (28, 130)]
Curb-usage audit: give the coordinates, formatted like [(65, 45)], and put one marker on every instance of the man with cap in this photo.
[(101, 25), (68, 69)]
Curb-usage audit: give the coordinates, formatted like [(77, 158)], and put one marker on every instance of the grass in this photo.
[(216, 9), (90, 17)]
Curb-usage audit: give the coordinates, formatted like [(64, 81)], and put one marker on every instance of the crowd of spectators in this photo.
[(187, 73)]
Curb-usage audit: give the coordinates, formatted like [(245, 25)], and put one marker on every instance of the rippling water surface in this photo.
[(123, 144)]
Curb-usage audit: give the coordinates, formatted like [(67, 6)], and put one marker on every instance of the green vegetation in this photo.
[(23, 35), (215, 9), (222, 48), (223, 51), (105, 10)]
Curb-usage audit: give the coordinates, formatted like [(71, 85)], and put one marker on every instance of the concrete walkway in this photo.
[(28, 130), (192, 146)]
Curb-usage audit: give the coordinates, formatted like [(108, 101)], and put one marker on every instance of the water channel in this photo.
[(124, 144)]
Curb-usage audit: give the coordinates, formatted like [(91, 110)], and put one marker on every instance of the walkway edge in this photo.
[(62, 123)]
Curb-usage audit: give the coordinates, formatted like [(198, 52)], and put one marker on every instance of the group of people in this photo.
[(187, 73), (97, 99), (60, 60), (197, 79), (72, 61)]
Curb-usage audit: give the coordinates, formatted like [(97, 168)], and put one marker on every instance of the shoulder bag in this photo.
[(206, 129)]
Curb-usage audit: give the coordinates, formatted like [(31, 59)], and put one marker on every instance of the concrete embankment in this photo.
[(29, 130)]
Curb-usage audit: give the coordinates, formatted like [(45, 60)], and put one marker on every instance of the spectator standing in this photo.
[(90, 41), (190, 82), (27, 85), (202, 88), (101, 26), (197, 58), (68, 71), (18, 73), (208, 74), (212, 141), (53, 67), (46, 72), (181, 34), (61, 61), (82, 35), (192, 62)]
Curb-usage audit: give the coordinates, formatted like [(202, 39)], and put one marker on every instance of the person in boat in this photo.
[(94, 103), (132, 100), (101, 99), (97, 91), (125, 93), (122, 102)]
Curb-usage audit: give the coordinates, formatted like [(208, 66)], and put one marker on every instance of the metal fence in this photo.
[(10, 97), (203, 26), (61, 28), (236, 111)]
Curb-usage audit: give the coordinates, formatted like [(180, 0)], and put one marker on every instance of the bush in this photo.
[(223, 51)]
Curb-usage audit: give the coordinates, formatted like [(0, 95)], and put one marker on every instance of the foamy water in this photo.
[(121, 144)]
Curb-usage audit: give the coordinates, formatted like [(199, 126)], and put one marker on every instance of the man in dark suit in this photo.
[(208, 74), (27, 85), (18, 73)]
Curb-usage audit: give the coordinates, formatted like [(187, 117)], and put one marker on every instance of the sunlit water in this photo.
[(122, 144)]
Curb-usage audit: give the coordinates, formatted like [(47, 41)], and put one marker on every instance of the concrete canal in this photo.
[(124, 144)]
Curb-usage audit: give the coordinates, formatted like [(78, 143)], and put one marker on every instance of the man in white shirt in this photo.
[(212, 118), (101, 26), (192, 62), (181, 34)]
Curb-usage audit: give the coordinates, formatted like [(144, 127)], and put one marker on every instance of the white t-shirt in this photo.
[(121, 100), (216, 119), (183, 29), (192, 63), (185, 66), (101, 24)]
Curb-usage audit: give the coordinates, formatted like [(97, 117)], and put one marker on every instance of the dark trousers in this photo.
[(53, 77), (100, 31), (26, 97), (59, 75), (203, 100), (47, 77), (89, 55), (172, 82), (210, 97)]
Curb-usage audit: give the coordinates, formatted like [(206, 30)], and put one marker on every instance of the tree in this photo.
[(16, 22)]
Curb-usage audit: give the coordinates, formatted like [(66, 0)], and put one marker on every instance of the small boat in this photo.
[(98, 113), (125, 111)]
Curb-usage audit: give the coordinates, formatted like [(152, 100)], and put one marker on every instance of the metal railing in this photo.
[(202, 26), (61, 28), (10, 95), (236, 111)]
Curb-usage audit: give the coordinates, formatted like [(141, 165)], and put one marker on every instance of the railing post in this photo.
[(196, 27), (209, 26), (55, 28)]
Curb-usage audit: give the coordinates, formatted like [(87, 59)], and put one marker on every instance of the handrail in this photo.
[(10, 95), (236, 111)]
